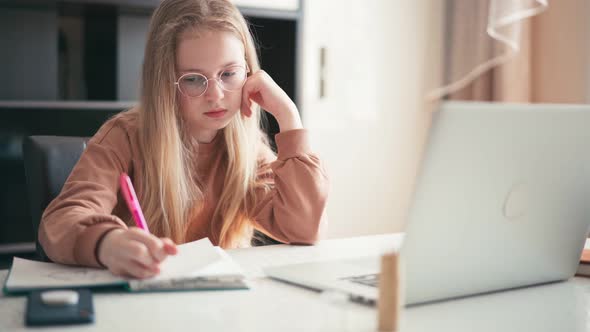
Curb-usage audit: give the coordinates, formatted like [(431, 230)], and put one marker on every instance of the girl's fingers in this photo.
[(261, 89), (154, 245), (139, 253), (252, 92), (170, 246), (245, 109), (246, 103), (257, 98), (136, 270)]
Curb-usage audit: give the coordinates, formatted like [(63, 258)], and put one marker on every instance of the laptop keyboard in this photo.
[(371, 280)]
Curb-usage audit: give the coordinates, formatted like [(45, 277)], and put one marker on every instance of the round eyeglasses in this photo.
[(195, 84)]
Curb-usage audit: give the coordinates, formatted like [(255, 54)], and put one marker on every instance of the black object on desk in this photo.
[(41, 313)]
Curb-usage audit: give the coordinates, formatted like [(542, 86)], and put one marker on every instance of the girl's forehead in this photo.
[(208, 50), (205, 39)]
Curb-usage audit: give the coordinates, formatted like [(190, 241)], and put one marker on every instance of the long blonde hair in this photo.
[(171, 194)]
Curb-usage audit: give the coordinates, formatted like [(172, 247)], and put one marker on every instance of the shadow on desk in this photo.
[(553, 307)]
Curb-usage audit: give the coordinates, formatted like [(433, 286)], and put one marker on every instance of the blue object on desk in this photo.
[(52, 311)]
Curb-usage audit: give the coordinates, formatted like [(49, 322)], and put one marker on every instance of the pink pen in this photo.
[(132, 202)]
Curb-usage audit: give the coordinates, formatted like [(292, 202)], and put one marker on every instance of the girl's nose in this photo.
[(214, 90)]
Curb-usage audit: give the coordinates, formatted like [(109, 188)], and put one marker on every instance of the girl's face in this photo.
[(218, 56)]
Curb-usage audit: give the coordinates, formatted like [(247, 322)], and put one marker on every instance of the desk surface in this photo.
[(275, 306)]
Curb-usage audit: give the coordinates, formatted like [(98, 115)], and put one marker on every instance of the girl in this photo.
[(194, 149)]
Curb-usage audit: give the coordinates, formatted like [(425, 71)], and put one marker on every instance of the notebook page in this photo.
[(223, 273), (191, 257), (26, 274), (223, 267)]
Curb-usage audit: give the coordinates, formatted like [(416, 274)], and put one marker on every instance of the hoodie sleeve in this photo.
[(77, 219), (291, 205)]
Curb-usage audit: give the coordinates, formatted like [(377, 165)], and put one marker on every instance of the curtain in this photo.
[(487, 52)]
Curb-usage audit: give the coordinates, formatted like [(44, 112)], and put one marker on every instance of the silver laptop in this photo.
[(502, 201)]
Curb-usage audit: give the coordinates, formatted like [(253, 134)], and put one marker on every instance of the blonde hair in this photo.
[(171, 194)]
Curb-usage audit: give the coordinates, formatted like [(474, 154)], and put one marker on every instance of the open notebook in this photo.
[(197, 265)]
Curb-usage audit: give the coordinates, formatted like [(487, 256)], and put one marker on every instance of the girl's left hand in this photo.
[(261, 89)]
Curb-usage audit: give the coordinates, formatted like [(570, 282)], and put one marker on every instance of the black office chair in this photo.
[(48, 163)]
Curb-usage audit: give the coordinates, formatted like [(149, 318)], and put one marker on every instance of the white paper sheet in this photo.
[(33, 274), (190, 259), (193, 259)]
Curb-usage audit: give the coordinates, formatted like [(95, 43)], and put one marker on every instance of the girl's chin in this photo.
[(215, 124)]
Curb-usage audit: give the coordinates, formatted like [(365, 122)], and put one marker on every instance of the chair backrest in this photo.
[(48, 162)]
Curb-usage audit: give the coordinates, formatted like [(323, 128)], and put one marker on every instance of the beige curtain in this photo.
[(516, 51), (488, 51)]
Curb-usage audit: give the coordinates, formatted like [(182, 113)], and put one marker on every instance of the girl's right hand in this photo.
[(134, 252)]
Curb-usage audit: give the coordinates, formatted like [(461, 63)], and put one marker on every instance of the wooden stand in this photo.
[(389, 293)]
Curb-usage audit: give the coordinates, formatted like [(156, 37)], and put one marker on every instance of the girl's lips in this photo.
[(216, 113)]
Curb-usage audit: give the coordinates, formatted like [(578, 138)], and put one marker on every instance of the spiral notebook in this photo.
[(198, 266)]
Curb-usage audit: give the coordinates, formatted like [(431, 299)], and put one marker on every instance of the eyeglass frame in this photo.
[(207, 79)]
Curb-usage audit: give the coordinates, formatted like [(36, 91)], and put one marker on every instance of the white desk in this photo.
[(274, 306)]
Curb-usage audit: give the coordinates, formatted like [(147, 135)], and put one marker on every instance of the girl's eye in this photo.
[(194, 79), (228, 73)]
